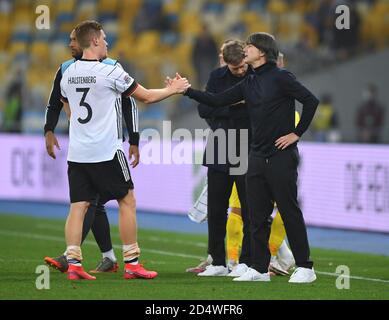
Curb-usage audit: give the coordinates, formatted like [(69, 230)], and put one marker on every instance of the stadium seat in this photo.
[(189, 23), (17, 48), (65, 6), (277, 7), (107, 6), (173, 7), (147, 43), (40, 52)]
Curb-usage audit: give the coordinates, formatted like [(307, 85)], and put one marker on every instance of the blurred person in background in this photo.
[(323, 21), (346, 41), (13, 109), (204, 56), (325, 123), (370, 116)]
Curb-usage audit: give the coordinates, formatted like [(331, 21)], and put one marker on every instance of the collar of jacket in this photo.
[(265, 67), (222, 72)]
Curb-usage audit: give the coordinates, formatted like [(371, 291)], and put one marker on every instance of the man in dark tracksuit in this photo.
[(96, 216), (220, 180), (270, 94)]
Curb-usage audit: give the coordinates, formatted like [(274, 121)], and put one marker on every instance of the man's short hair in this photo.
[(85, 31), (266, 43), (233, 52)]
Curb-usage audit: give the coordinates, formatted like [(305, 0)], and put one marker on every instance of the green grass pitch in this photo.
[(24, 241)]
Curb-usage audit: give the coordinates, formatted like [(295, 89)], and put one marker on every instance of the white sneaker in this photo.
[(303, 275), (238, 270), (214, 271), (285, 257), (275, 266), (253, 275)]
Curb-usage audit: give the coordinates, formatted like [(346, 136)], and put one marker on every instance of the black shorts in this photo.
[(106, 180)]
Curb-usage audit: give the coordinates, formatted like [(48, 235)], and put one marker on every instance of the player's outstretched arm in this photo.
[(177, 86), (231, 96)]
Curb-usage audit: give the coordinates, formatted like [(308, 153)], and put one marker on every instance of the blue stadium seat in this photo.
[(213, 7), (107, 17), (21, 36), (64, 17), (170, 38)]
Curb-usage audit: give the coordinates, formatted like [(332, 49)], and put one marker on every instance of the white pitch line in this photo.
[(88, 242), (50, 227), (191, 243), (351, 277), (149, 238), (166, 253)]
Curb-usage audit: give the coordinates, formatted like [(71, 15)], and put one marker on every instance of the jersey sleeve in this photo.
[(120, 81), (130, 114), (54, 105), (64, 97)]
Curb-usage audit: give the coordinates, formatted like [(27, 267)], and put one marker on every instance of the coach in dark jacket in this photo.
[(270, 94), (223, 121)]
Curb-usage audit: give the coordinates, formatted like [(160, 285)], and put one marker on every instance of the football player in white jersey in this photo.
[(96, 160), (96, 217)]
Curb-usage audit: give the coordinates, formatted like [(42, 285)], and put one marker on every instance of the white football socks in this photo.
[(110, 254)]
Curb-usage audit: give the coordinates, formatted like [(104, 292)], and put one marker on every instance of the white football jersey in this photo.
[(93, 91)]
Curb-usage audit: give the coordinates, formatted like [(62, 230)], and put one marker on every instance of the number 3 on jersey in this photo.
[(84, 104)]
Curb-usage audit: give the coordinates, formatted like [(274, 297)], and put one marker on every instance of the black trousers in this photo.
[(219, 191), (270, 180)]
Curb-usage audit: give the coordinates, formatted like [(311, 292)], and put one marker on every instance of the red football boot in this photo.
[(78, 273), (133, 271)]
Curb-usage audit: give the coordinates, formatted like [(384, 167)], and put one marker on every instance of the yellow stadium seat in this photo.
[(173, 7), (129, 8), (67, 27), (49, 3), (250, 17), (277, 7), (105, 6), (255, 22), (381, 6), (22, 17), (125, 46), (58, 54), (308, 32), (147, 43), (182, 56), (375, 26), (40, 51), (65, 6), (21, 5), (17, 48), (85, 11), (189, 23), (5, 30)]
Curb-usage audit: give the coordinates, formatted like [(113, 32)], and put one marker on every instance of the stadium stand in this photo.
[(157, 36)]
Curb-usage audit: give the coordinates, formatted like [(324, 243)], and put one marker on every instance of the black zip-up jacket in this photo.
[(270, 93), (224, 117), (54, 107)]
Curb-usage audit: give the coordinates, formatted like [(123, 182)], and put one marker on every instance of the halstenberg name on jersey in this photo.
[(80, 80)]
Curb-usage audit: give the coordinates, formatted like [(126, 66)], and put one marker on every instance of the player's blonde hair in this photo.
[(85, 31)]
